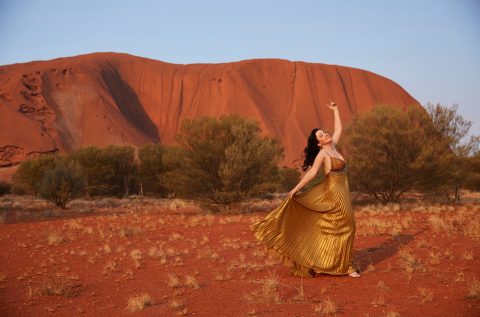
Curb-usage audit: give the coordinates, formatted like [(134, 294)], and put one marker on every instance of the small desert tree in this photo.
[(60, 184), (118, 169), (249, 167), (473, 180), (221, 162), (90, 161), (29, 174), (455, 164), (107, 171), (150, 169), (384, 146)]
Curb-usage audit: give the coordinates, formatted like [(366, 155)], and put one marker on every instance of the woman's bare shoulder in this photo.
[(322, 154)]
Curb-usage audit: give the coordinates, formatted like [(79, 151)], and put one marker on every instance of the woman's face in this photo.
[(323, 137)]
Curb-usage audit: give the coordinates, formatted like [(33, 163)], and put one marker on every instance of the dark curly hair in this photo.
[(311, 150)]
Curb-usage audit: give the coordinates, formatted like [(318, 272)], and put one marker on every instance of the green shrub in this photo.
[(150, 169), (90, 161), (118, 169), (29, 174), (107, 171), (473, 179), (61, 184), (454, 167), (392, 151), (222, 161), (385, 147)]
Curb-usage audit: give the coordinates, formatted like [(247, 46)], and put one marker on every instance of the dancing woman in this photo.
[(313, 231)]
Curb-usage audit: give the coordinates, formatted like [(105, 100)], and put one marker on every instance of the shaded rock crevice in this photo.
[(128, 102)]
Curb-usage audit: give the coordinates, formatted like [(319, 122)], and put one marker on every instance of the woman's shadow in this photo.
[(385, 250)]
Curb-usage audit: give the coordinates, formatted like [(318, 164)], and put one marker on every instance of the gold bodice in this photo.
[(336, 164)]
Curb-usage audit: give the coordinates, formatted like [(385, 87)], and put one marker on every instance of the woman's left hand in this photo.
[(332, 105), (292, 192)]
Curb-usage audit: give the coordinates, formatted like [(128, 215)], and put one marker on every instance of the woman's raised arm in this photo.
[(337, 124)]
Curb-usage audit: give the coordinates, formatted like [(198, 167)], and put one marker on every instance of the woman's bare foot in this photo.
[(354, 274)]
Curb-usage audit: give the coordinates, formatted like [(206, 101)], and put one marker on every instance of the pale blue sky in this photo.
[(430, 47)]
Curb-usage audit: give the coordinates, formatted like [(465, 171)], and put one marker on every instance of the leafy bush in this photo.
[(473, 180), (455, 165), (61, 184), (118, 169), (385, 148), (221, 162), (29, 174), (107, 171), (90, 161), (150, 169), (393, 151)]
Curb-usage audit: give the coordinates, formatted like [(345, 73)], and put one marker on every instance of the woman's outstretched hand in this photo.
[(332, 105), (292, 192)]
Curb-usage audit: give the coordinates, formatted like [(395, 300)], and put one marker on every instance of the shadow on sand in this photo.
[(385, 250)]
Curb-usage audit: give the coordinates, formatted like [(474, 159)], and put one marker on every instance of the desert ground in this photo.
[(158, 257)]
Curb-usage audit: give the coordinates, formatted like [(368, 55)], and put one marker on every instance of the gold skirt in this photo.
[(313, 231)]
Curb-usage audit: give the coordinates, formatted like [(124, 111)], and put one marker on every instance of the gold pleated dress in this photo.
[(313, 231)]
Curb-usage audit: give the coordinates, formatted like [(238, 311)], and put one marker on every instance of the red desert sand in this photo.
[(145, 257)]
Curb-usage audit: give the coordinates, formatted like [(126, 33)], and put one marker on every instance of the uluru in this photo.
[(114, 98)]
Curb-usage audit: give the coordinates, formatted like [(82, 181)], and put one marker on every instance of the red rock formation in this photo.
[(110, 98)]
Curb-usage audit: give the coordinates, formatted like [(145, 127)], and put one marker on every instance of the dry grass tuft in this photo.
[(467, 255), (179, 305), (58, 285), (139, 303), (174, 281), (107, 249), (438, 224), (378, 301), (448, 254), (270, 289), (252, 312), (460, 277), (326, 307), (381, 285), (472, 229), (54, 238), (221, 277), (175, 236), (409, 262), (422, 243), (111, 266), (269, 292), (136, 255), (300, 296), (380, 225), (473, 289), (191, 281), (425, 294), (434, 257), (128, 232)]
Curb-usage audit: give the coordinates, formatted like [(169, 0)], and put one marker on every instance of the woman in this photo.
[(313, 231)]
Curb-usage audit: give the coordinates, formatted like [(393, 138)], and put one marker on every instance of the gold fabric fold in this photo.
[(313, 231)]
